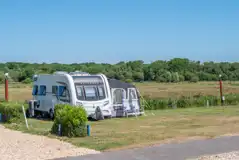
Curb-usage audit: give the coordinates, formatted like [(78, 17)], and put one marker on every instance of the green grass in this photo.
[(21, 92), (174, 124)]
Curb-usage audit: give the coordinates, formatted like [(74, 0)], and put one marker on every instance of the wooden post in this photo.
[(221, 94), (6, 88)]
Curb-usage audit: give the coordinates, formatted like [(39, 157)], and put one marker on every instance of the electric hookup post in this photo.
[(88, 129)]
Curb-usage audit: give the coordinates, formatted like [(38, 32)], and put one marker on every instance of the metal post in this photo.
[(6, 88), (88, 130), (23, 110)]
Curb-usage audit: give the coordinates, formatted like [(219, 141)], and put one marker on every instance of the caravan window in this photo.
[(35, 90), (90, 93), (62, 91), (101, 92), (54, 90), (132, 93), (80, 92), (42, 91)]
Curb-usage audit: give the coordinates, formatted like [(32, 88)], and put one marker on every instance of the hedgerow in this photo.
[(11, 112), (186, 102)]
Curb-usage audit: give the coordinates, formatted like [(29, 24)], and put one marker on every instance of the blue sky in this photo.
[(69, 31)]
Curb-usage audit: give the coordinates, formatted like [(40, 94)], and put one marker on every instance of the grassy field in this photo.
[(21, 92), (164, 126), (165, 90)]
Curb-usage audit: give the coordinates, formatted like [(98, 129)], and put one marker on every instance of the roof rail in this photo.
[(60, 72), (79, 73)]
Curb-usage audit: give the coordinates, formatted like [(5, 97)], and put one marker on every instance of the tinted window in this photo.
[(42, 90), (35, 90), (62, 91), (90, 93), (54, 89), (101, 92), (80, 92)]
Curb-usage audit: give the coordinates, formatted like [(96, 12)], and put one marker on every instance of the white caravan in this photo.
[(101, 97)]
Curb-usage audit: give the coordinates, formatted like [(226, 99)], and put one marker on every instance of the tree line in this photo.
[(174, 70)]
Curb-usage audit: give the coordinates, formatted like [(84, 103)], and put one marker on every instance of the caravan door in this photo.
[(118, 95), (118, 99), (133, 100)]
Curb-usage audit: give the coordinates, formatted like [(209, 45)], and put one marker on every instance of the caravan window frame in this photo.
[(42, 93), (82, 91), (99, 95), (54, 90), (65, 91), (35, 90), (96, 97), (103, 92)]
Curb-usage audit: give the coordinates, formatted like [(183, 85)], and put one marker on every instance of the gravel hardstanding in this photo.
[(15, 145), (224, 156)]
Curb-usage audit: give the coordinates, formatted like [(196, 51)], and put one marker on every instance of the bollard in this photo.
[(88, 130)]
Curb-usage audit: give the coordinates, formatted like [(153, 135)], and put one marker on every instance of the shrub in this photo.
[(128, 80), (232, 99), (194, 79), (11, 112), (27, 81), (184, 102), (72, 119), (57, 108)]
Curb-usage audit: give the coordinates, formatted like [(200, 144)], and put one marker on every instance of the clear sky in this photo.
[(69, 31)]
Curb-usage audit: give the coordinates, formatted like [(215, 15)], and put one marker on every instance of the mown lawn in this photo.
[(163, 126)]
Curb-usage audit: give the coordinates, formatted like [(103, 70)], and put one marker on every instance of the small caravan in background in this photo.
[(101, 97)]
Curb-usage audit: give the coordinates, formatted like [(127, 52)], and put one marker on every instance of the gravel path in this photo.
[(15, 145), (224, 156)]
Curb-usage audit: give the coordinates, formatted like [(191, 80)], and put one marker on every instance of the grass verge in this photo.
[(174, 124)]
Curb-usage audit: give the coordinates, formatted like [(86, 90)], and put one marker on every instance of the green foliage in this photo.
[(72, 119), (232, 99), (27, 81), (186, 102), (174, 70), (11, 112), (194, 79)]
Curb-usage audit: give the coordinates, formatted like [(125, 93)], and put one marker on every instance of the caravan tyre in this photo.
[(27, 113), (51, 114)]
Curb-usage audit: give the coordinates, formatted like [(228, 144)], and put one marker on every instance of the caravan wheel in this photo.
[(51, 114)]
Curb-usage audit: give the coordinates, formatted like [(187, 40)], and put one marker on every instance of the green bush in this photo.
[(232, 99), (11, 112), (72, 119), (27, 81), (58, 108)]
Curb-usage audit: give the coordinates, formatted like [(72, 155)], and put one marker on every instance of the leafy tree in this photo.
[(174, 70)]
